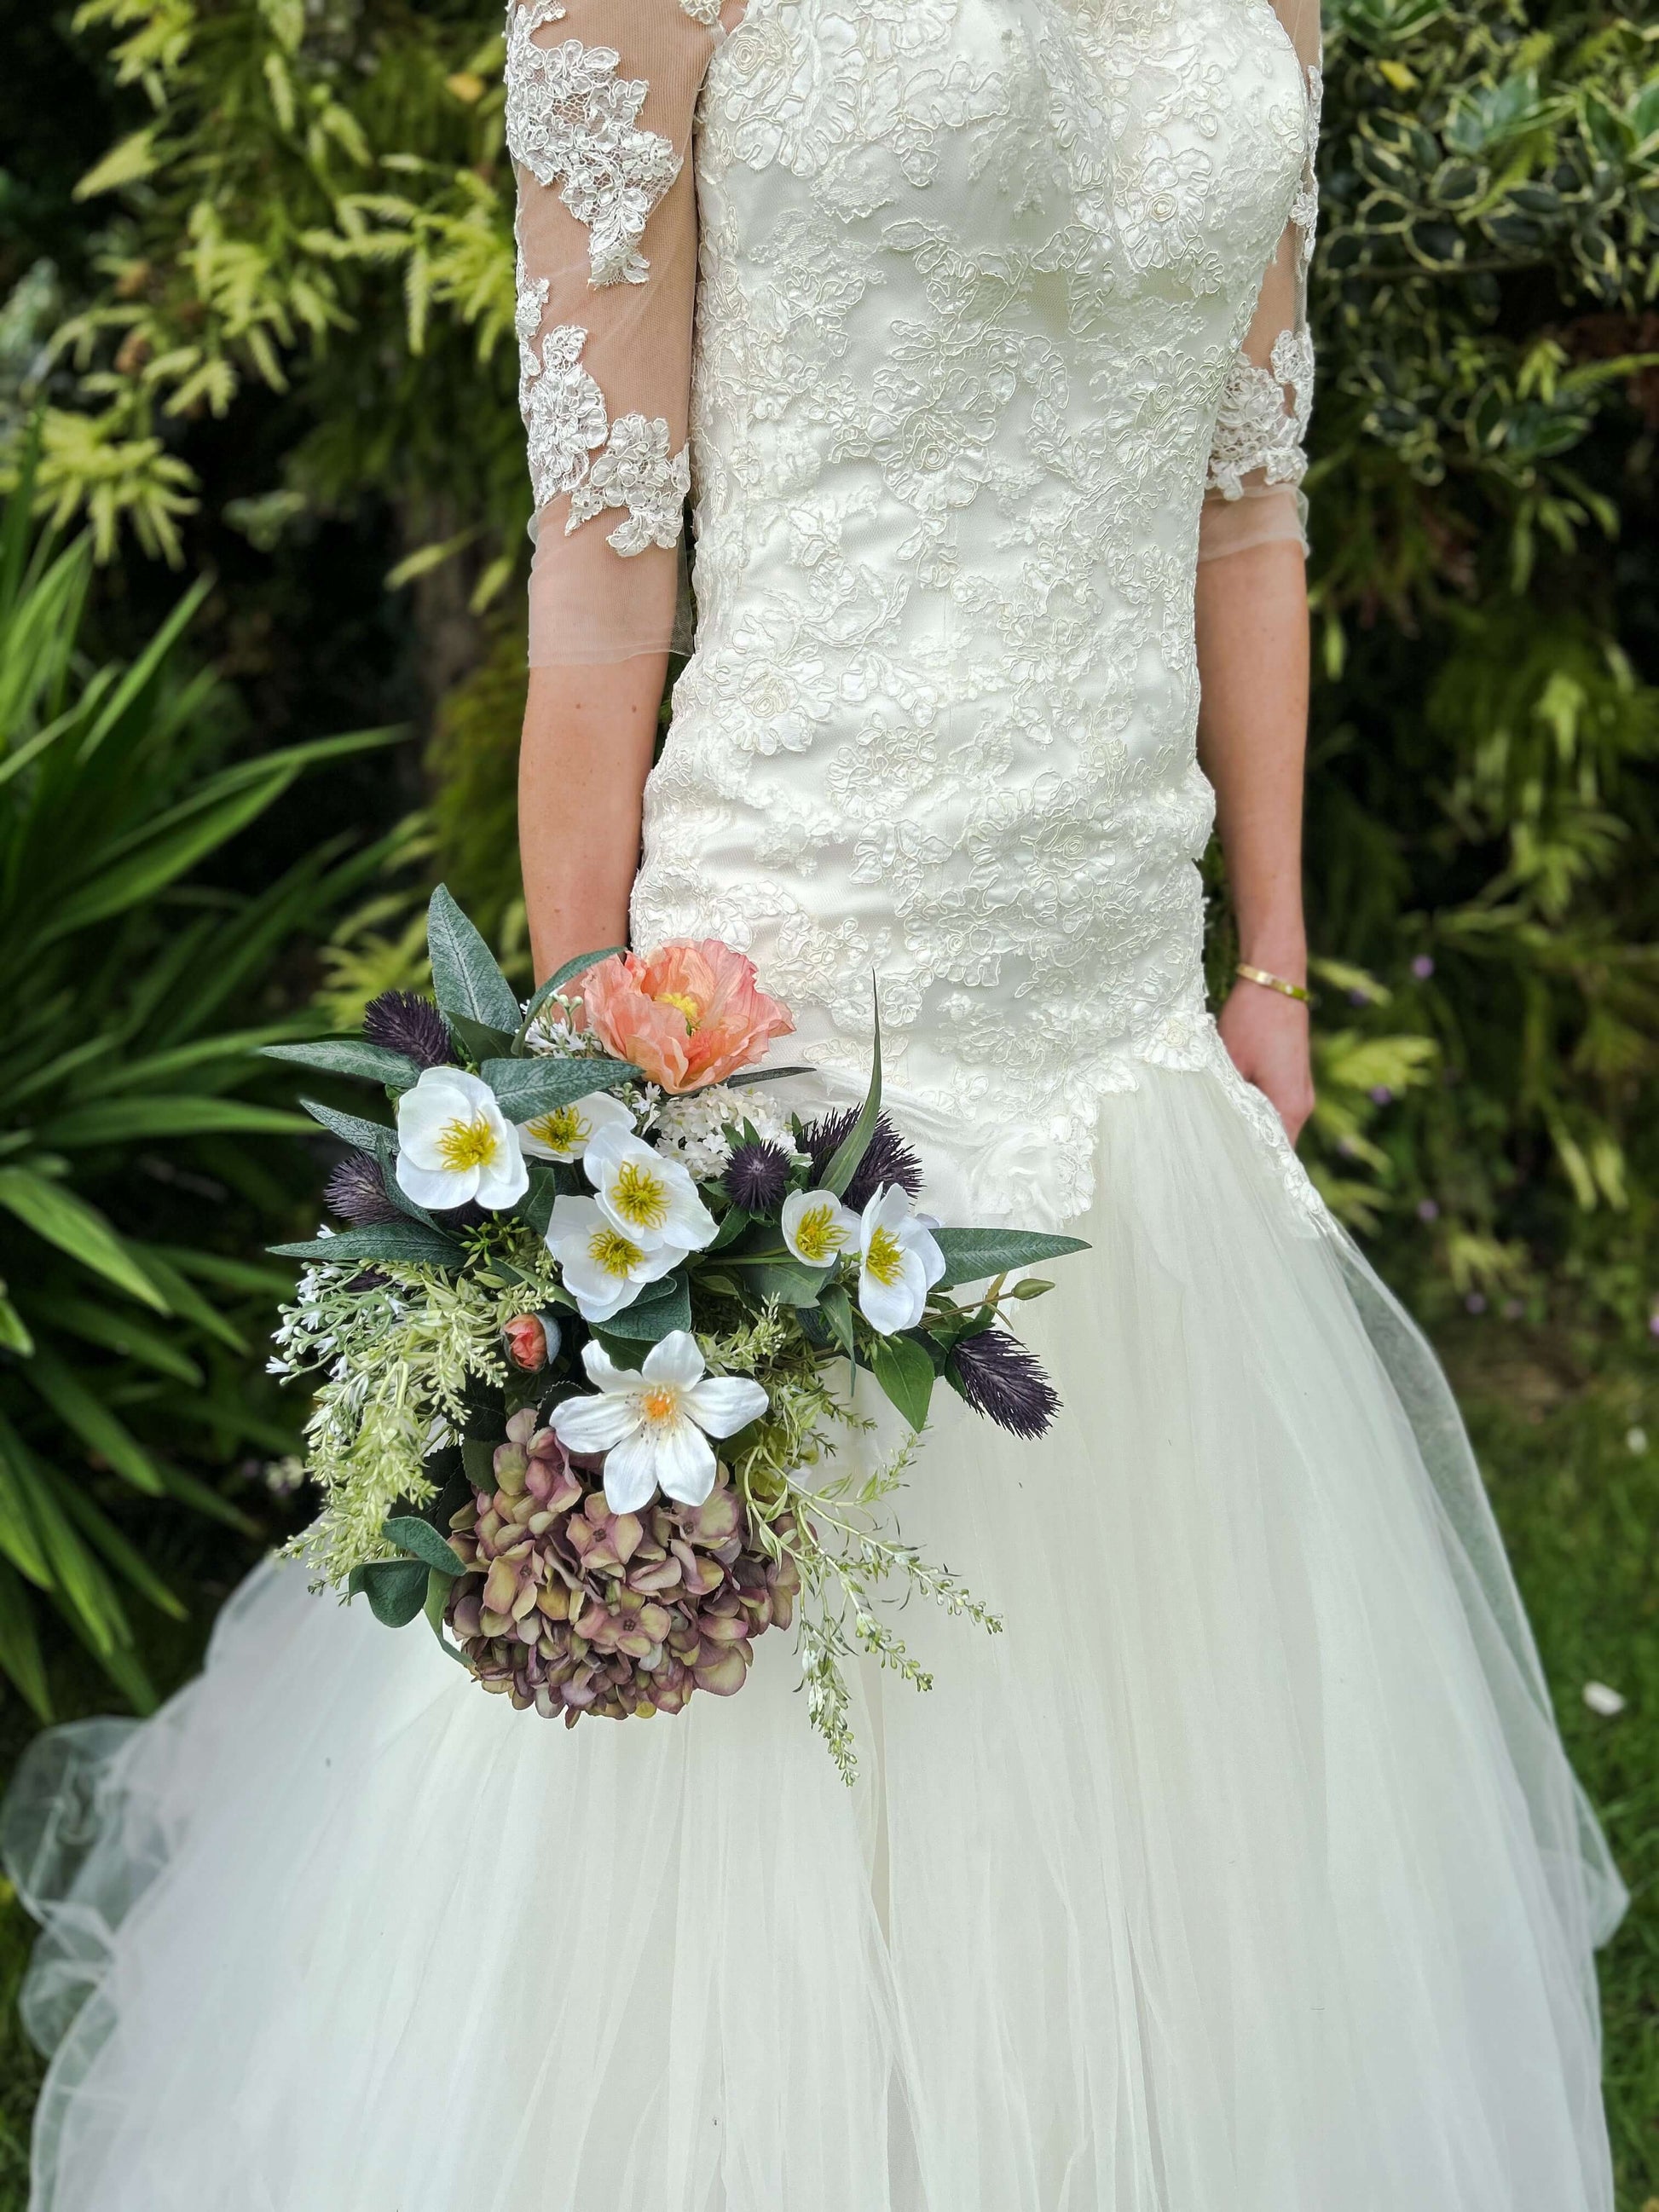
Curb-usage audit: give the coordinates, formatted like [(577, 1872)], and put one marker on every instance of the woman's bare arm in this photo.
[(588, 735), (1252, 738)]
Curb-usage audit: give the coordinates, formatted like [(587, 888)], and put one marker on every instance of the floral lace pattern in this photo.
[(563, 410), (573, 122), (636, 471)]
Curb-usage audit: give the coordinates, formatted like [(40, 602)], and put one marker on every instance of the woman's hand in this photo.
[(1266, 1034)]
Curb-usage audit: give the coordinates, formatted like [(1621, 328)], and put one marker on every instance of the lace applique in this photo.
[(707, 12), (564, 411), (1258, 427), (573, 122), (636, 471)]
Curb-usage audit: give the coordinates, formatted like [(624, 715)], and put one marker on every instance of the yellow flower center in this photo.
[(562, 1131), (885, 1259), (640, 1195), (464, 1145), (660, 1403), (819, 1234), (611, 1253), (682, 1003)]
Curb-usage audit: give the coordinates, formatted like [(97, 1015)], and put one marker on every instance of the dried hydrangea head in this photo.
[(1001, 1379), (887, 1160), (409, 1023), (571, 1608)]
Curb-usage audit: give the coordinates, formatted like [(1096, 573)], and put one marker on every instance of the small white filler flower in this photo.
[(604, 1269), (653, 1426), (818, 1228), (566, 1133), (899, 1262), (651, 1201), (455, 1144)]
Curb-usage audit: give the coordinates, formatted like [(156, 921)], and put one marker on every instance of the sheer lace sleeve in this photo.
[(600, 98), (1257, 462)]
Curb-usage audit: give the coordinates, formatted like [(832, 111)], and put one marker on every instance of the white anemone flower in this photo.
[(899, 1262), (653, 1426), (651, 1201), (602, 1269), (455, 1144), (818, 1228), (568, 1131)]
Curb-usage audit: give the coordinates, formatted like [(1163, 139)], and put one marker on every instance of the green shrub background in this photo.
[(255, 267)]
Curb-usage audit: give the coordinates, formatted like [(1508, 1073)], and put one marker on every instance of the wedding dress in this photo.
[(1244, 1871)]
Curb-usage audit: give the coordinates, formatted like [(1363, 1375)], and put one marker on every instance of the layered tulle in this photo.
[(1242, 1870)]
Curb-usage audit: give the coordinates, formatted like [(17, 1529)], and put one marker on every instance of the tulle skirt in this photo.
[(1242, 1872)]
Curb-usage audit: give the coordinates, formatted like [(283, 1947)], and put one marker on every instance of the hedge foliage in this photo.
[(310, 214)]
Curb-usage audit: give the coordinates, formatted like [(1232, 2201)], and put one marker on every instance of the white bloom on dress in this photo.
[(455, 1144), (650, 1199), (899, 1262), (818, 1228), (568, 1131), (653, 1426), (603, 1269)]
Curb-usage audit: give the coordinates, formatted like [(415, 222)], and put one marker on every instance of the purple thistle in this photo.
[(888, 1159), (356, 1192), (756, 1177), (999, 1378), (406, 1022)]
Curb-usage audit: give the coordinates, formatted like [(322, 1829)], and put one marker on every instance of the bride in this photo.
[(1244, 1872)]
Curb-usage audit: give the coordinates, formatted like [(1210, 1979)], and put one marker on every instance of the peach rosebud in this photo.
[(690, 1014), (527, 1346)]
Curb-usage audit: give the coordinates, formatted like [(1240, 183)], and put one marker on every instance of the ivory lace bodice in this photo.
[(980, 317)]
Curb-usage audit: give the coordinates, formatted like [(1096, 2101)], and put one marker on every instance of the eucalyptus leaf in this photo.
[(972, 1254), (906, 1372), (648, 1321), (466, 982), (403, 1243), (396, 1590), (411, 1534), (353, 1056)]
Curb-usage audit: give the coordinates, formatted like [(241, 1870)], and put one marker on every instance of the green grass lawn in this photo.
[(1576, 1486)]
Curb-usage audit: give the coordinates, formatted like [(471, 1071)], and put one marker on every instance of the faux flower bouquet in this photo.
[(580, 1338)]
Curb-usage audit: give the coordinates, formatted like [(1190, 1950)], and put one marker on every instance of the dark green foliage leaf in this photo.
[(837, 1309), (844, 1164), (350, 1057), (746, 1076), (421, 1541), (659, 1310), (972, 1256), (556, 981), (373, 1137), (478, 1038), (906, 1372), (527, 1089), (790, 1284), (478, 1456), (404, 1243), (396, 1590), (466, 982)]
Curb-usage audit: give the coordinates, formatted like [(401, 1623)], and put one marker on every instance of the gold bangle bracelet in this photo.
[(1286, 990)]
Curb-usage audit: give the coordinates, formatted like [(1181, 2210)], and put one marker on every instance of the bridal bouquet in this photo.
[(583, 1339)]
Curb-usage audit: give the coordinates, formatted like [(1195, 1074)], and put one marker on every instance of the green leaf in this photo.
[(790, 1285), (845, 1164), (654, 1315), (98, 1428), (182, 1298), (128, 1562), (478, 1458), (402, 1244), (20, 1647), (537, 1207), (421, 1541), (752, 1075), (467, 981), (396, 1590), (119, 1331), (478, 1038), (906, 1372), (78, 1229), (527, 1089), (353, 1056), (556, 981), (837, 1309), (972, 1254), (374, 1138), (125, 1121), (14, 1329)]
